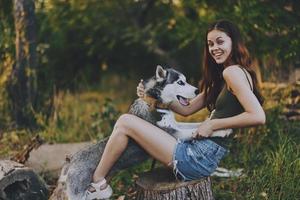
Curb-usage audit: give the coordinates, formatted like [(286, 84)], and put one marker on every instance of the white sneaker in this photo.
[(98, 193)]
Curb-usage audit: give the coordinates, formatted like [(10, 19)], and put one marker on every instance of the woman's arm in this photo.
[(253, 115), (195, 105)]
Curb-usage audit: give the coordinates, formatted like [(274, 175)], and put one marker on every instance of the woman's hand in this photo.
[(140, 89), (205, 129)]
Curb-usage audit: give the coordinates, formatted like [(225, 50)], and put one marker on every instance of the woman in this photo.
[(229, 87)]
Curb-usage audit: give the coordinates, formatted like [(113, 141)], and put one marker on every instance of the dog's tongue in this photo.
[(183, 101)]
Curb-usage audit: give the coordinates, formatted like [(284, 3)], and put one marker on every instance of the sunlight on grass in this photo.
[(73, 117), (268, 154)]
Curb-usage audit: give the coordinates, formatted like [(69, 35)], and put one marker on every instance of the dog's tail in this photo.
[(81, 169), (84, 163), (75, 191)]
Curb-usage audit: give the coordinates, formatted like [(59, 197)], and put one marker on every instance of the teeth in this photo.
[(218, 54)]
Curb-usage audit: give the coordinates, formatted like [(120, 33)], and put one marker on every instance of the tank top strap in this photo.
[(247, 77)]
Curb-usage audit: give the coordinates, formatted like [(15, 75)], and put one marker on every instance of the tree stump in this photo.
[(20, 183), (162, 184)]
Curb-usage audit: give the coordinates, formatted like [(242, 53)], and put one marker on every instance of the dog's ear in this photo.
[(160, 73)]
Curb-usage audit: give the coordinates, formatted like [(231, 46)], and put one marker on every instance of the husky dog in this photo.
[(166, 86)]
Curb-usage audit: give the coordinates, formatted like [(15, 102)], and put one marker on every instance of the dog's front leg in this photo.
[(184, 130), (222, 133), (186, 125)]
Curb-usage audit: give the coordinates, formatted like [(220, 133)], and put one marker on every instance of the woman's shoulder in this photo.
[(234, 74), (232, 71)]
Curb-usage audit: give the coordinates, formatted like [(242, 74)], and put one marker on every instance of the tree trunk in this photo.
[(161, 184), (20, 182), (22, 89)]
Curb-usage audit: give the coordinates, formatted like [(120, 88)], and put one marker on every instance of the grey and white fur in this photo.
[(166, 86)]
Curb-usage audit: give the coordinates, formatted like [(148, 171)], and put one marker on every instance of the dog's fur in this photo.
[(166, 86)]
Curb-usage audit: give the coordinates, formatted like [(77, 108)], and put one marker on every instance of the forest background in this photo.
[(84, 59)]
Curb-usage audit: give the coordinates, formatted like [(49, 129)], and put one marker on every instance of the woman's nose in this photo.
[(214, 47)]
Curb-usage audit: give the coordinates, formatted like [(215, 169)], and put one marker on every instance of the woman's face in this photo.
[(219, 46)]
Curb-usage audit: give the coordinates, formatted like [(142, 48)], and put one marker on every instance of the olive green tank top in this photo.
[(227, 105)]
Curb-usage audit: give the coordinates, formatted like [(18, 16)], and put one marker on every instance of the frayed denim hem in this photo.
[(196, 158), (176, 172)]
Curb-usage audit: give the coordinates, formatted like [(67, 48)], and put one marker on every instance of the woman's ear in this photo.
[(160, 73)]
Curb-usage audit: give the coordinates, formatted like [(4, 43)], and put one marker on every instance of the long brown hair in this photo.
[(212, 81)]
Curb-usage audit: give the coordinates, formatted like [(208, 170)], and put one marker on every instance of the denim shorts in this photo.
[(194, 159)]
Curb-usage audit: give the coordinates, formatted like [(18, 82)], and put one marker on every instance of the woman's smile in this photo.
[(219, 45), (217, 54)]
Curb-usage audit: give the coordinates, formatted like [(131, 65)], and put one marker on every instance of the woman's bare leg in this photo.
[(155, 141)]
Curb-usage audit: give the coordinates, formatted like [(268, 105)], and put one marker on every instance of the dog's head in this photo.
[(169, 85)]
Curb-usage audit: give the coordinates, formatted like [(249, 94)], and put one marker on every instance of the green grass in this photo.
[(271, 160), (269, 154)]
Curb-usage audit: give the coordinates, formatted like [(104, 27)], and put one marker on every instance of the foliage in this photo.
[(88, 38), (6, 57), (129, 35), (82, 117), (12, 142), (80, 42), (103, 121)]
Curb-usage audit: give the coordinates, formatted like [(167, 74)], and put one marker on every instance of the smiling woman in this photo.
[(219, 46), (225, 47)]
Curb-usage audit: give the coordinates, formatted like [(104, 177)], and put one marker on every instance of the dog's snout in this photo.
[(197, 91)]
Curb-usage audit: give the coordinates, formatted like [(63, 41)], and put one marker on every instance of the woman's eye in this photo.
[(220, 42), (180, 82)]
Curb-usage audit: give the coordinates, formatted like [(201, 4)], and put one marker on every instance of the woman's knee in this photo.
[(123, 123)]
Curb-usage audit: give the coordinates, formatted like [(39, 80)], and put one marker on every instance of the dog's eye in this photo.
[(180, 82)]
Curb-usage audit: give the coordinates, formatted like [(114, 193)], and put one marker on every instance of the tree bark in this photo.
[(22, 89), (20, 182), (161, 184)]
